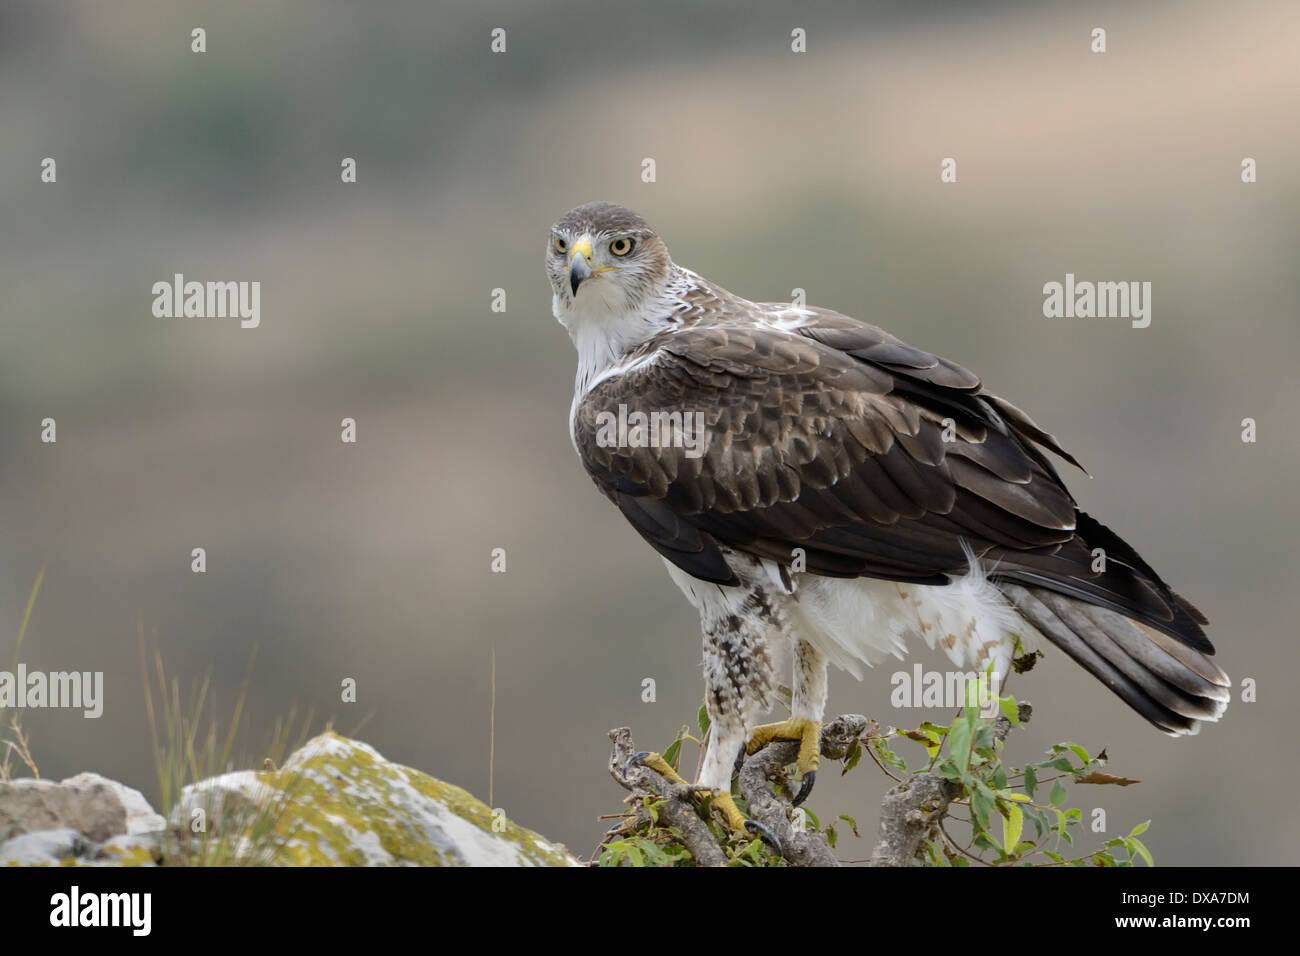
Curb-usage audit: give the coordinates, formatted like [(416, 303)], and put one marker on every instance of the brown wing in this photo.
[(875, 458)]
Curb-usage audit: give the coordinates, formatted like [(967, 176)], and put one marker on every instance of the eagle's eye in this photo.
[(621, 246), (560, 245)]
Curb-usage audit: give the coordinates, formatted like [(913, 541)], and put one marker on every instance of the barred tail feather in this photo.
[(1170, 684)]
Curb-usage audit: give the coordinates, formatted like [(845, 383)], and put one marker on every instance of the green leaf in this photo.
[(937, 856), (674, 752), (1012, 824), (831, 836), (853, 824), (652, 807), (886, 754), (1085, 758), (1010, 710), (1142, 851), (854, 755), (1060, 827), (949, 771), (982, 805), (655, 854), (959, 744), (1140, 828), (1031, 781), (702, 718), (1059, 795)]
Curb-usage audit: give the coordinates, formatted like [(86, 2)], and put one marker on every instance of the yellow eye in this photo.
[(560, 245), (620, 247)]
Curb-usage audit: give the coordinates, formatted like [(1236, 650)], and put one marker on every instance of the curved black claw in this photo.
[(740, 761), (806, 787), (753, 826), (635, 760)]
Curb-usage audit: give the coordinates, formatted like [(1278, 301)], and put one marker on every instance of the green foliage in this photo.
[(1009, 818), (1002, 815), (641, 839)]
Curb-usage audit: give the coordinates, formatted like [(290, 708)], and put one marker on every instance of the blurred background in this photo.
[(775, 170)]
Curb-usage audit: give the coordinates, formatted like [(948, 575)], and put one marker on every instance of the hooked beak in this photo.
[(580, 265)]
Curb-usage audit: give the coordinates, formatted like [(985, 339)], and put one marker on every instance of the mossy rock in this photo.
[(338, 802)]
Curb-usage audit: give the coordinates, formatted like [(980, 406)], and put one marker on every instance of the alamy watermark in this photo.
[(944, 689), (208, 300), (83, 690), (1101, 300), (637, 429)]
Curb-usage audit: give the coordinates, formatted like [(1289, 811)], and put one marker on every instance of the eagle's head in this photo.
[(605, 263)]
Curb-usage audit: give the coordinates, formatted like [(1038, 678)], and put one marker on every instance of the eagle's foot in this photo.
[(738, 823), (653, 761), (723, 801), (809, 735)]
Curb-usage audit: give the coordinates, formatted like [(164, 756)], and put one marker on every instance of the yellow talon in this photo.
[(807, 732), (725, 802), (659, 765), (722, 799)]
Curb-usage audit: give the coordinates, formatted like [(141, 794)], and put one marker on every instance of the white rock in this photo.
[(140, 816)]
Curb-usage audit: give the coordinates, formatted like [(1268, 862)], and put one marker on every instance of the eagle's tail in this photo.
[(1170, 684)]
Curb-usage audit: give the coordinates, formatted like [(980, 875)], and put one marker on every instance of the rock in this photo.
[(140, 816), (46, 848), (67, 847), (93, 810), (336, 802), (86, 820), (339, 802), (126, 849)]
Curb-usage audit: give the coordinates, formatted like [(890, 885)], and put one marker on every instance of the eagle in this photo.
[(812, 482)]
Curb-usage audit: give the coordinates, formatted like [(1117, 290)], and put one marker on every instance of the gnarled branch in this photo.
[(911, 812)]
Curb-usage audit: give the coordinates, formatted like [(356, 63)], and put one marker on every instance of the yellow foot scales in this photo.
[(736, 822), (809, 735), (659, 765), (730, 812)]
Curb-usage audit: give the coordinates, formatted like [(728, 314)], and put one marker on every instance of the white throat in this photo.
[(606, 329)]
